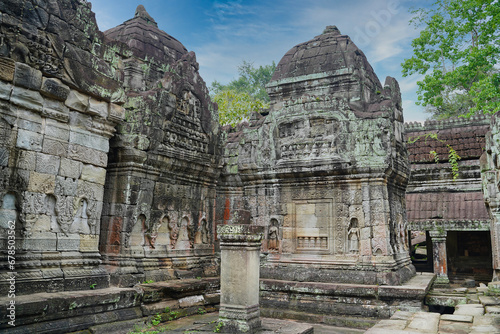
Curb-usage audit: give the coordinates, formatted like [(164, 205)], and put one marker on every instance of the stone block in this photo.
[(116, 112), (70, 242), (77, 101), (39, 241), (98, 108), (54, 88), (89, 243), (66, 186), (55, 110), (70, 168), (87, 155), (55, 147), (93, 174), (26, 160), (492, 309), (41, 183), (5, 90), (56, 130), (42, 224), (28, 99), (80, 120), (29, 140), (489, 300), (87, 139), (469, 309), (27, 77), (29, 125), (458, 318), (191, 301), (47, 164), (90, 190), (7, 68), (425, 322)]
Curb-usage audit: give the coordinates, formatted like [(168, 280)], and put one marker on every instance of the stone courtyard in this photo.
[(126, 207)]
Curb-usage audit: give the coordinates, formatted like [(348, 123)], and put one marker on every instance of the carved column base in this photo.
[(238, 319)]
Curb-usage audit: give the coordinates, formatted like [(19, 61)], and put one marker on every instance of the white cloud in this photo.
[(412, 112)]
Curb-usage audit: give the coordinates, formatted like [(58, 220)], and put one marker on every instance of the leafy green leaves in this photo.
[(235, 106), (457, 51), (240, 97)]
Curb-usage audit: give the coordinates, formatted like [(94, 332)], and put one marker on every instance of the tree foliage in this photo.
[(243, 95), (457, 51)]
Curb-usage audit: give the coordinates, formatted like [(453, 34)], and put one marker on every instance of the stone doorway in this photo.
[(469, 256)]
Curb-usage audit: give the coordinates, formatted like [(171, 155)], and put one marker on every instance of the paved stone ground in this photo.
[(206, 323), (467, 319)]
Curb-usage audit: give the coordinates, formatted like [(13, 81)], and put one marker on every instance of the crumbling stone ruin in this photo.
[(325, 171), (115, 172), (452, 211)]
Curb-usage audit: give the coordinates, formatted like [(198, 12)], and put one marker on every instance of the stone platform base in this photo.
[(206, 323), (349, 305), (70, 311)]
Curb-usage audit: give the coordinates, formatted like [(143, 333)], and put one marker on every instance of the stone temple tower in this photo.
[(324, 170)]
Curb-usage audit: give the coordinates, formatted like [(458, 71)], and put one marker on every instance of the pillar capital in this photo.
[(438, 234)]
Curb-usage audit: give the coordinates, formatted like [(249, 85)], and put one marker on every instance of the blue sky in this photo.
[(226, 32)]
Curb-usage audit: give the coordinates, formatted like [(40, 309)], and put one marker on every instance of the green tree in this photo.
[(457, 51), (243, 95)]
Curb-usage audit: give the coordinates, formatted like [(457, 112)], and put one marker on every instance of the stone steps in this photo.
[(70, 311)]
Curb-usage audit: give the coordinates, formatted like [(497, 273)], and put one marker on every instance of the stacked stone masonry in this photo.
[(115, 171), (450, 209)]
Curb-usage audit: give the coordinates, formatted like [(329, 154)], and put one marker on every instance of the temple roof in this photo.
[(328, 52), (142, 35)]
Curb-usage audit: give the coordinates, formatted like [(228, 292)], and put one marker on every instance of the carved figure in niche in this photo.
[(152, 235), (32, 206), (403, 233), (137, 236), (174, 233), (353, 236), (185, 237), (64, 210), (81, 221), (50, 204), (190, 233), (273, 236), (151, 238), (201, 236), (204, 232), (163, 232)]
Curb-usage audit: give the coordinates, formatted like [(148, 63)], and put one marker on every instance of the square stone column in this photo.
[(240, 263), (439, 256)]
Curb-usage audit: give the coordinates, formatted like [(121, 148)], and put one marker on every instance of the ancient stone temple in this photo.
[(450, 208), (114, 174), (325, 171), (164, 161), (110, 150), (60, 101)]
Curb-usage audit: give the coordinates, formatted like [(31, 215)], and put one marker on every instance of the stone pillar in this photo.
[(240, 262), (495, 243), (439, 256)]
